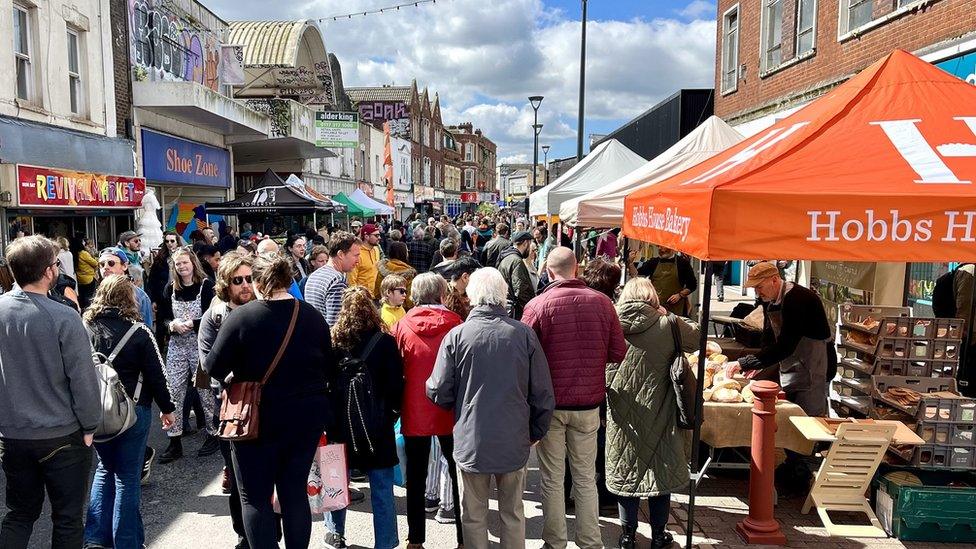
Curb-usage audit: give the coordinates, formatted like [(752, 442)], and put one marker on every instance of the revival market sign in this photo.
[(51, 187)]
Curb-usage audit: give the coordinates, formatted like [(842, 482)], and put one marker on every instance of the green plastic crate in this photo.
[(931, 512)]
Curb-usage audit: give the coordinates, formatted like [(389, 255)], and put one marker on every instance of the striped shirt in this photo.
[(324, 292)]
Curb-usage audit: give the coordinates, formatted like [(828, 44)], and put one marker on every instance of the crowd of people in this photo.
[(475, 340)]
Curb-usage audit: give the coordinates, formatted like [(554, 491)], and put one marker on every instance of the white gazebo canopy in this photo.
[(604, 207), (606, 163), (361, 198)]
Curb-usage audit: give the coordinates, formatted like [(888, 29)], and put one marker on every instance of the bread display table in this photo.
[(730, 426)]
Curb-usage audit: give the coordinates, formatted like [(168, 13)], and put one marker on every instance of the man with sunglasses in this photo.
[(130, 242), (233, 289), (114, 261)]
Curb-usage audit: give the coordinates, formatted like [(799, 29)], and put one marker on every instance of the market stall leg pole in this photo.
[(626, 259), (699, 403), (760, 526)]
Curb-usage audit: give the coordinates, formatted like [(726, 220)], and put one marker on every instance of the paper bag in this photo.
[(328, 479)]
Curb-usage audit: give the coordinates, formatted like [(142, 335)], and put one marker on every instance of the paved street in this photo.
[(183, 508)]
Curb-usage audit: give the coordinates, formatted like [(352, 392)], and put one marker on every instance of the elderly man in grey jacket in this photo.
[(493, 372)]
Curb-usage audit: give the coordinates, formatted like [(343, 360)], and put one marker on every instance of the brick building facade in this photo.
[(478, 158), (773, 56)]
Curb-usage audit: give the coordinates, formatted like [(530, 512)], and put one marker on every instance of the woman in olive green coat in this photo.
[(645, 450)]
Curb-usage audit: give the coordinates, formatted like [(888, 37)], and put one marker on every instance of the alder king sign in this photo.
[(337, 130)]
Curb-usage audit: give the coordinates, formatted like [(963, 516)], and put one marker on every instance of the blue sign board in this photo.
[(174, 160), (963, 67)]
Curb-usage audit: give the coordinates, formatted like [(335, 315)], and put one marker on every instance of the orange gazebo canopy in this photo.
[(883, 168)]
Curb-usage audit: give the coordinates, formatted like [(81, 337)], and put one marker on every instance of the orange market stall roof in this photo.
[(883, 168)]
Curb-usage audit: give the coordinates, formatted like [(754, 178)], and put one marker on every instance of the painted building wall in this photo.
[(49, 98), (175, 40)]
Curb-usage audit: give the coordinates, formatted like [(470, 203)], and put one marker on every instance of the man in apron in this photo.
[(796, 336), (673, 278), (798, 341)]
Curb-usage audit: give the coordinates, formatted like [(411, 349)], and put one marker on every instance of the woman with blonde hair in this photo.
[(641, 407), (115, 327), (365, 425), (187, 295), (65, 257)]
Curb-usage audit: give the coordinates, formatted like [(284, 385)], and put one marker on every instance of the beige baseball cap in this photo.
[(760, 272)]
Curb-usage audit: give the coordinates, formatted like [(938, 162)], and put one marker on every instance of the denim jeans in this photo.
[(383, 507), (114, 518), (57, 466)]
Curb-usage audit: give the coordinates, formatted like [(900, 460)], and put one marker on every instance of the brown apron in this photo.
[(665, 280), (802, 375)]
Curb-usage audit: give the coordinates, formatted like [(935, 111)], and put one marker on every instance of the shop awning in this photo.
[(606, 163), (883, 168), (272, 196), (352, 207), (604, 207), (361, 198)]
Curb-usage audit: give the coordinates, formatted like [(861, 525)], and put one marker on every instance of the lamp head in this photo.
[(535, 101), (537, 128), (545, 149)]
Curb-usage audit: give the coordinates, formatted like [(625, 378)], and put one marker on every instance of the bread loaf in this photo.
[(726, 395)]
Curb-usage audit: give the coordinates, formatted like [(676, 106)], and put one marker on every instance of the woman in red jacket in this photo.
[(418, 336)]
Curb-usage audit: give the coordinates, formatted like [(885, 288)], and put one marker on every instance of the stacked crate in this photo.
[(946, 424), (861, 328)]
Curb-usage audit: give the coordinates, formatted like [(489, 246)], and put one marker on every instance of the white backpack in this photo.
[(118, 408)]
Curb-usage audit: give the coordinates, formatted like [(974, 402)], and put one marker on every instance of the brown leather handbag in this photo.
[(241, 401)]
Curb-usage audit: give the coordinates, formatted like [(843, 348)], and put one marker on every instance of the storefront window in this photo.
[(921, 283)]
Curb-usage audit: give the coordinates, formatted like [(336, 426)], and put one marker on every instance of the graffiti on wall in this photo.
[(396, 113), (381, 111), (167, 45)]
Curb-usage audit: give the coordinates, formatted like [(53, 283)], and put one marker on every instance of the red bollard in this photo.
[(761, 527)]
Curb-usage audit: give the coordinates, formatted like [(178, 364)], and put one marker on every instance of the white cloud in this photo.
[(698, 9), (520, 158), (485, 58)]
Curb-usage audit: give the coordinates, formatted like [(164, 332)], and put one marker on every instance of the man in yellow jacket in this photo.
[(366, 274)]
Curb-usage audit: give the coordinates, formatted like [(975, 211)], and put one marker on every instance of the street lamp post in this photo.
[(582, 89), (545, 164), (535, 101)]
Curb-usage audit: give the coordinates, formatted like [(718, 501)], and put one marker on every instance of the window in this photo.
[(859, 12), (730, 50), (806, 17), (437, 140), (426, 132), (426, 171), (74, 73), (22, 53), (772, 34), (437, 176), (469, 152), (469, 179)]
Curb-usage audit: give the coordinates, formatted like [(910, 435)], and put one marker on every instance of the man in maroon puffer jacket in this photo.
[(580, 333)]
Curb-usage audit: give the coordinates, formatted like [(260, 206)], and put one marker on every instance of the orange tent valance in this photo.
[(883, 168)]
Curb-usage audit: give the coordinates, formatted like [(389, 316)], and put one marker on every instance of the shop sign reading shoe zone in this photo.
[(170, 159), (51, 187)]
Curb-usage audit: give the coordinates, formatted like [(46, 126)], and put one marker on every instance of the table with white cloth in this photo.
[(730, 426), (727, 426)]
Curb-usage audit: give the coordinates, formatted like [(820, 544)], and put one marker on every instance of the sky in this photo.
[(485, 57)]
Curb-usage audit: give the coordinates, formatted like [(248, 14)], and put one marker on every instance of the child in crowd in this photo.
[(393, 290)]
